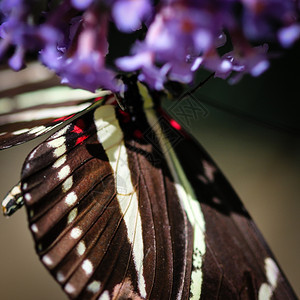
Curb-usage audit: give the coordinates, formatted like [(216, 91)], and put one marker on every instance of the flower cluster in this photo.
[(71, 37)]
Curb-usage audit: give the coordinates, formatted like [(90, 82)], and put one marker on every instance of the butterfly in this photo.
[(126, 205)]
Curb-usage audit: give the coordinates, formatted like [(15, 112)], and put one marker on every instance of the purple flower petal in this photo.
[(51, 57), (259, 68), (81, 4), (129, 14), (203, 39), (16, 62), (253, 61), (88, 73), (154, 76), (6, 6), (288, 35), (138, 61), (181, 73)]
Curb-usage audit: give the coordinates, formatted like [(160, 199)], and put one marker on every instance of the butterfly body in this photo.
[(126, 205)]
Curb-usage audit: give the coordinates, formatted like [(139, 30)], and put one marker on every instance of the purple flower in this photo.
[(140, 60), (7, 6), (178, 31), (81, 4), (262, 18), (176, 38), (87, 72), (155, 77), (56, 43), (182, 36), (213, 62), (129, 14), (78, 57), (16, 30), (19, 34), (288, 35), (16, 62), (251, 60)]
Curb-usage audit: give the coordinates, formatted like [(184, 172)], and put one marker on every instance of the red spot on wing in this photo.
[(79, 126), (98, 99), (81, 139), (125, 116), (65, 118), (138, 134), (175, 125)]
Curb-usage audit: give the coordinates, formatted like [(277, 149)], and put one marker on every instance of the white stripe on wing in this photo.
[(111, 137)]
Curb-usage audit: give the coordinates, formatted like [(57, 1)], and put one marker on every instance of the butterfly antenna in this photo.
[(195, 88), (119, 100)]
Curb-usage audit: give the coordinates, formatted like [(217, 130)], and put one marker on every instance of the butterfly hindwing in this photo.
[(165, 226), (236, 263)]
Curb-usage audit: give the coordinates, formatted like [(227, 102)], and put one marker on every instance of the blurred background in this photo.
[(251, 130)]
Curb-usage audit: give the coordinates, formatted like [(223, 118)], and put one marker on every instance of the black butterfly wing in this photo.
[(139, 211), (235, 262), (13, 200), (26, 116), (105, 220)]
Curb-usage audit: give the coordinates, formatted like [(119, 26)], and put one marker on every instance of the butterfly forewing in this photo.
[(13, 200), (104, 212), (32, 114), (73, 205)]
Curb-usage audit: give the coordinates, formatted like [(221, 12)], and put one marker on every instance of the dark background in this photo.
[(253, 135)]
